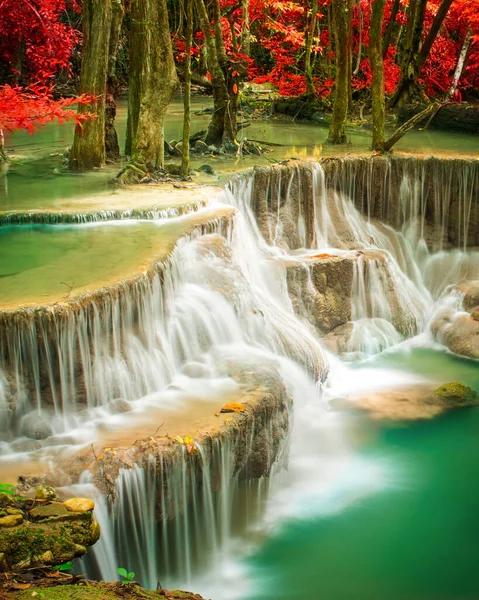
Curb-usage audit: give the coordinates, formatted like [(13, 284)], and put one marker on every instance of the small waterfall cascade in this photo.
[(407, 226), (59, 361)]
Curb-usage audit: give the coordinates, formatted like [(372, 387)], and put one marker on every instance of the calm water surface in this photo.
[(416, 537)]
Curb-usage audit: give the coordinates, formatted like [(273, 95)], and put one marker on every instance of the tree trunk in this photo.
[(112, 146), (427, 113), (432, 33), (246, 33), (416, 58), (185, 157), (308, 43), (88, 149), (390, 27), (360, 43), (377, 67), (153, 80), (349, 40), (337, 130), (222, 109), (461, 62)]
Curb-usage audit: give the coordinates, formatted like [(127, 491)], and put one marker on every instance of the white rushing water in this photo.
[(224, 299)]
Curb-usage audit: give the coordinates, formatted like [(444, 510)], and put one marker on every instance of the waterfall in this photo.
[(352, 255)]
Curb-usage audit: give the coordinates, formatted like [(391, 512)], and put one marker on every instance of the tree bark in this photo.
[(310, 28), (152, 82), (88, 150), (377, 67), (337, 130), (185, 157)]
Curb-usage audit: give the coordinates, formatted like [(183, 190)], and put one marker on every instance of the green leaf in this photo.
[(131, 576), (122, 572), (7, 488), (64, 567)]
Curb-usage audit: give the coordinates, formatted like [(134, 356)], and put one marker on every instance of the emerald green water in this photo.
[(415, 536), (40, 264)]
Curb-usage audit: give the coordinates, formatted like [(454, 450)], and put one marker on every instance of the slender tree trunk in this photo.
[(3, 154), (360, 47), (377, 67), (390, 27), (349, 41), (432, 33), (415, 59), (222, 109), (461, 62), (246, 33), (309, 37), (88, 149), (112, 146), (337, 130), (427, 113), (185, 157), (153, 80)]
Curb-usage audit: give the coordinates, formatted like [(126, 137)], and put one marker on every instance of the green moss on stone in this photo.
[(455, 394), (99, 592)]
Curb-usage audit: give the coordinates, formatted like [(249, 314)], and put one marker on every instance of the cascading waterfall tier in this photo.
[(369, 242), (53, 218), (56, 360)]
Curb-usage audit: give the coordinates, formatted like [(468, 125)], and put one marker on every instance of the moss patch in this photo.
[(454, 394), (99, 591)]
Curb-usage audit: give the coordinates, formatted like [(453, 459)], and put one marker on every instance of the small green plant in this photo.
[(127, 577), (64, 567), (7, 488)]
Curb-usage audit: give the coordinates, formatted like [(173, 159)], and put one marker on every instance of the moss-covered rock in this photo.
[(36, 533), (454, 394)]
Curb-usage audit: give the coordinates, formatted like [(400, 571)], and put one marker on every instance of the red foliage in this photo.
[(34, 43), (27, 108)]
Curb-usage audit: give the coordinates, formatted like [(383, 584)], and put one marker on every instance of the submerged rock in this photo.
[(410, 403), (207, 169), (119, 405), (454, 394), (36, 425)]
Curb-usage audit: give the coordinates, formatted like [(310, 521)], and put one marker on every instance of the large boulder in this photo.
[(320, 287), (331, 290), (36, 533), (470, 289), (458, 331)]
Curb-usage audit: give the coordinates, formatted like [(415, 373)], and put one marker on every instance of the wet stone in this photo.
[(55, 509), (79, 505), (11, 520)]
